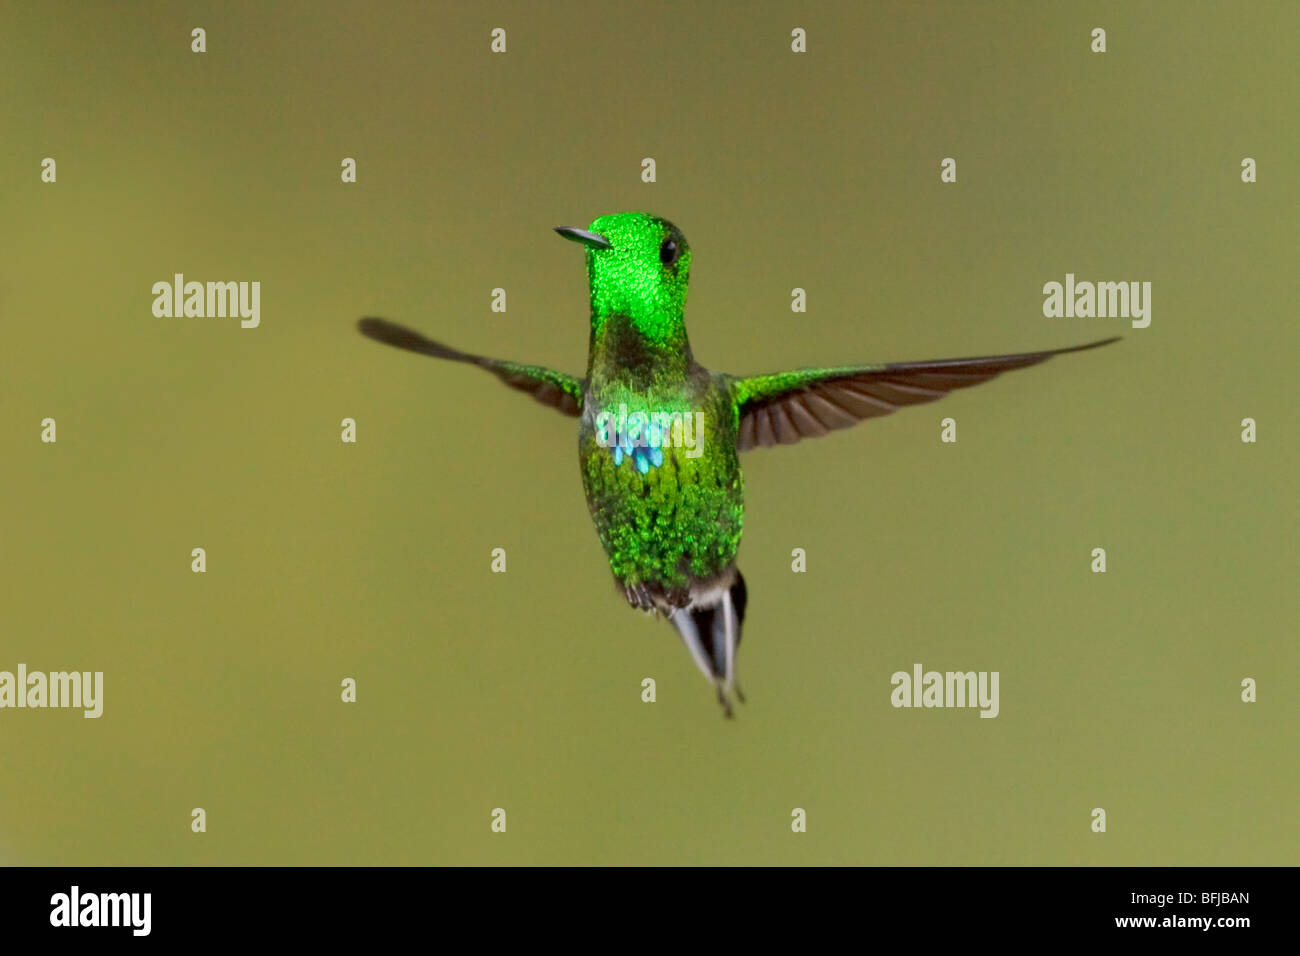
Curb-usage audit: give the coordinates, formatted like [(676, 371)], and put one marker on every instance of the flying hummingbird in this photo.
[(659, 435)]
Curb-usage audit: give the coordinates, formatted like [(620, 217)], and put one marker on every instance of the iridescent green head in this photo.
[(638, 266)]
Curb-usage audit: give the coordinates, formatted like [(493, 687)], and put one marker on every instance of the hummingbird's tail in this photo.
[(710, 627)]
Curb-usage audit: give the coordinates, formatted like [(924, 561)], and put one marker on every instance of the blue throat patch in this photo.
[(645, 452)]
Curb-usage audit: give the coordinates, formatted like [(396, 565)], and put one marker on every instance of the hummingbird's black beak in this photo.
[(588, 239)]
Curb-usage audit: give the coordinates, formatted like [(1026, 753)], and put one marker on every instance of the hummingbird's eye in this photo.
[(669, 251)]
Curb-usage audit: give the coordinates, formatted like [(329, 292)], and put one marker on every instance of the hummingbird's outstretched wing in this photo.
[(549, 387), (785, 407)]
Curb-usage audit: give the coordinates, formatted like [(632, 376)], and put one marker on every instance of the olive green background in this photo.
[(522, 690)]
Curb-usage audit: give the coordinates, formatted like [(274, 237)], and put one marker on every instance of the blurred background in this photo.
[(522, 690)]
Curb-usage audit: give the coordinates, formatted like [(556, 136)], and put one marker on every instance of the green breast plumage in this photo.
[(663, 483)]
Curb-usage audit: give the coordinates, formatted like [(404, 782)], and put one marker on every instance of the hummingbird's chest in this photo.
[(662, 480)]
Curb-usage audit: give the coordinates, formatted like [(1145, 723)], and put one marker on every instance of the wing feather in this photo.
[(556, 389), (788, 406)]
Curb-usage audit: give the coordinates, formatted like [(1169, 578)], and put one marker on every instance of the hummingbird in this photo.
[(660, 436)]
